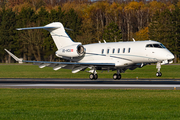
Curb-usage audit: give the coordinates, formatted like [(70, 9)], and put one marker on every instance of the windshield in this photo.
[(155, 46)]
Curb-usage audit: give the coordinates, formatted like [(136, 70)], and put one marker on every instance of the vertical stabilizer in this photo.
[(58, 33)]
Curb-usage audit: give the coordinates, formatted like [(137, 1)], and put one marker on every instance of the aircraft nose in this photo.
[(170, 56)]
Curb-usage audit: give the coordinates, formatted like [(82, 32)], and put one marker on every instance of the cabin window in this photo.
[(118, 50), (129, 50), (102, 51), (123, 50), (113, 51), (107, 51)]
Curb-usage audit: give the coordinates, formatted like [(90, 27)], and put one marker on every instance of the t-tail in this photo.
[(65, 45), (58, 33)]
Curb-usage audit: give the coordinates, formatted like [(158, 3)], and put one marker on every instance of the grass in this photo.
[(68, 104), (87, 104), (31, 71)]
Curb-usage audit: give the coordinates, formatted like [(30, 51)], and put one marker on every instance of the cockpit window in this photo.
[(149, 45), (155, 46), (162, 45)]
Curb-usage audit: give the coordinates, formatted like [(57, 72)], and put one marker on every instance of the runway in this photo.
[(89, 84)]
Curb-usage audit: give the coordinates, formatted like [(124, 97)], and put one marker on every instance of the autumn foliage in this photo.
[(91, 22)]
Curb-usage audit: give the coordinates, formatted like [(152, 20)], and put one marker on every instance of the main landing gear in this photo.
[(93, 76), (158, 66), (117, 76)]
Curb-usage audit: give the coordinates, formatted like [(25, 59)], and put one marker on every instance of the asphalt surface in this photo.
[(89, 84)]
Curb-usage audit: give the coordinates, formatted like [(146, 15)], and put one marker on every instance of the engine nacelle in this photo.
[(71, 51)]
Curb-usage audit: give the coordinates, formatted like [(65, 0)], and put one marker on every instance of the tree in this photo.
[(73, 22), (143, 34), (165, 28), (112, 33), (175, 42), (7, 33), (24, 19)]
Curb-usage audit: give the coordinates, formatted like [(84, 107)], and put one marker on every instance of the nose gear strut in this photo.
[(158, 66)]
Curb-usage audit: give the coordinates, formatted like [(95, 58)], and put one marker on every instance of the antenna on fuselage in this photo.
[(133, 39), (104, 41)]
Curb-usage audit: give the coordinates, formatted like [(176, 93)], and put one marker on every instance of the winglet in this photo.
[(12, 55)]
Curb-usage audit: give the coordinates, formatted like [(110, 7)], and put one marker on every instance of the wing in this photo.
[(74, 66)]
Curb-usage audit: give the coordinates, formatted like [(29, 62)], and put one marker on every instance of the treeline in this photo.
[(33, 44), (112, 20)]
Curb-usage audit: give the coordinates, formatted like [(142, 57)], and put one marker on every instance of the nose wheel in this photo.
[(158, 74)]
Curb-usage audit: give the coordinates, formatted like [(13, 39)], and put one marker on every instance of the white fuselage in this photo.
[(118, 56), (125, 53)]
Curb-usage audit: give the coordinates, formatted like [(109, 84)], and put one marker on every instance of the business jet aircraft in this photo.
[(118, 56)]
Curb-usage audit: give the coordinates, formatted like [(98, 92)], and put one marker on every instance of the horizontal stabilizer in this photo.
[(12, 55), (43, 27)]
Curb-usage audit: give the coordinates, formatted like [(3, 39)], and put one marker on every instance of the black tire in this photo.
[(95, 77), (115, 76), (91, 76), (119, 76), (158, 74)]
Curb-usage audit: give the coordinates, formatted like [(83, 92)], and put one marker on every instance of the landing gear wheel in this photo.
[(117, 76), (95, 77), (91, 76), (158, 74)]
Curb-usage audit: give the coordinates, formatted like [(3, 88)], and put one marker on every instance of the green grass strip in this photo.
[(31, 71), (68, 104)]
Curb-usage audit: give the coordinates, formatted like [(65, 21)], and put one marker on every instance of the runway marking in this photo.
[(91, 85)]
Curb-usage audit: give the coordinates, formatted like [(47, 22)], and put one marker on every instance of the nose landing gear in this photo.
[(158, 66), (158, 74)]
